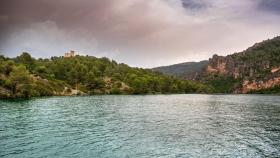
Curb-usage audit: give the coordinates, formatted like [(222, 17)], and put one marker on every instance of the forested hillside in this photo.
[(24, 77), (183, 70)]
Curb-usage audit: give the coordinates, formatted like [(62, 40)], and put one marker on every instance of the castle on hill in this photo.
[(69, 54)]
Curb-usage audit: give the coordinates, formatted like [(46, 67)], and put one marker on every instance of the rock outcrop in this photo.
[(256, 68)]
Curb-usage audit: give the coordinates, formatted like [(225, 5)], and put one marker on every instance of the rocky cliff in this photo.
[(255, 69)]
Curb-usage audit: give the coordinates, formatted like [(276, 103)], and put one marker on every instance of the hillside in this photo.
[(25, 77), (182, 70), (255, 70)]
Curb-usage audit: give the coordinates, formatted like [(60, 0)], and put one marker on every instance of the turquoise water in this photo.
[(141, 126)]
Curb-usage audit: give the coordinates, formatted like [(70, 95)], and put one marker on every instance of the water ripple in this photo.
[(141, 126)]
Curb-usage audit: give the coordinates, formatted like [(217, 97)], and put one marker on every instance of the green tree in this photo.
[(26, 59), (20, 76), (6, 67)]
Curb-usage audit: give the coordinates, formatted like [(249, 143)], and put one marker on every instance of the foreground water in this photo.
[(141, 126)]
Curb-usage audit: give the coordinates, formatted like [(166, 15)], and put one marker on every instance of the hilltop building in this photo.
[(69, 54)]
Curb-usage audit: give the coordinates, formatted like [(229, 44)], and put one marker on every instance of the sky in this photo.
[(142, 33)]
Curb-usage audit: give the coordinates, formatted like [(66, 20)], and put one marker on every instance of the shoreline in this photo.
[(72, 96)]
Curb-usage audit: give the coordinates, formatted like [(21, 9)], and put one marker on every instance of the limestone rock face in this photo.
[(220, 64), (254, 76), (256, 68), (258, 85)]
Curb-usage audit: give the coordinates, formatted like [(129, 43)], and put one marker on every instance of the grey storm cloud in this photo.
[(270, 5), (194, 4), (143, 33)]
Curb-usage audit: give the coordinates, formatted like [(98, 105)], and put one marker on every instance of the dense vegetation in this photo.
[(221, 84), (266, 51), (24, 77)]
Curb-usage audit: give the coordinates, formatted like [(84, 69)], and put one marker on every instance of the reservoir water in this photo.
[(141, 126)]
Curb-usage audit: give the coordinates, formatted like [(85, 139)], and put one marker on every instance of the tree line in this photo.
[(25, 76)]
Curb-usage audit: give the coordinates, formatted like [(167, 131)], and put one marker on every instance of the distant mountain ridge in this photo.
[(182, 69)]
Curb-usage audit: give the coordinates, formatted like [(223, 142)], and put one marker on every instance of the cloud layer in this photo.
[(138, 32)]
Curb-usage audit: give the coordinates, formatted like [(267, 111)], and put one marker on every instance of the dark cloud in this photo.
[(193, 4), (270, 5), (137, 32)]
